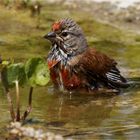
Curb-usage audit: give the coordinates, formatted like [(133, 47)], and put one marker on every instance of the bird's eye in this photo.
[(64, 34)]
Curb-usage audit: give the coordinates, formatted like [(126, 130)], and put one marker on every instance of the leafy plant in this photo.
[(33, 72)]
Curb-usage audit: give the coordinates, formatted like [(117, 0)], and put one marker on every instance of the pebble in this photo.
[(16, 129)]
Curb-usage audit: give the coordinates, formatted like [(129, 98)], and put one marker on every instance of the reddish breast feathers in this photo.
[(52, 63), (69, 81)]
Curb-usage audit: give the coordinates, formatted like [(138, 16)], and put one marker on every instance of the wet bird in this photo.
[(74, 65)]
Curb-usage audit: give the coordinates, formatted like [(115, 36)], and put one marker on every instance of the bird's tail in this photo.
[(116, 80)]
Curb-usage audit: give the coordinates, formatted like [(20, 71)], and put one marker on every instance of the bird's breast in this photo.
[(52, 63), (70, 80), (64, 77)]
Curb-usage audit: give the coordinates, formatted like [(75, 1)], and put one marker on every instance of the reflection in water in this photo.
[(79, 111)]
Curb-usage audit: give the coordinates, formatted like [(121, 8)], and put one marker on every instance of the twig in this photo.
[(10, 105), (17, 101), (29, 108)]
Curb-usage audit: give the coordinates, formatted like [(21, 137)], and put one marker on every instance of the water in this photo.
[(79, 116)]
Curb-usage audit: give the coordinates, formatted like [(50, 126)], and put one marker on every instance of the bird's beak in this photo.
[(50, 35)]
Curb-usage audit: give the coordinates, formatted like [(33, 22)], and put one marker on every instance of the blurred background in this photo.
[(106, 24), (111, 26)]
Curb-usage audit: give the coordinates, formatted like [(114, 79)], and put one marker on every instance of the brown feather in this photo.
[(96, 61)]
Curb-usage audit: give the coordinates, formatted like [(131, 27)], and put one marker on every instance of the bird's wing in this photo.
[(96, 66)]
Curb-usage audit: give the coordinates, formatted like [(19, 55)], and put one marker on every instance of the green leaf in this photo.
[(13, 72), (5, 62), (37, 72)]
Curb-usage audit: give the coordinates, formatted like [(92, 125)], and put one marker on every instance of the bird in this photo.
[(74, 65)]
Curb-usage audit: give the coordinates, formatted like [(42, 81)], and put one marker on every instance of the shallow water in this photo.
[(79, 116)]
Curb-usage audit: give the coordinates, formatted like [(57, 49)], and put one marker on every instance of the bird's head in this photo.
[(67, 35)]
